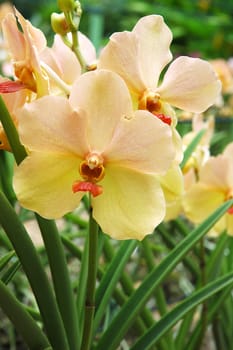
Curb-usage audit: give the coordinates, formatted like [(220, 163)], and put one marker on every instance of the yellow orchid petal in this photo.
[(131, 205), (229, 224), (190, 84), (138, 137), (105, 98), (47, 189), (217, 173), (172, 183), (173, 187), (49, 124), (200, 201)]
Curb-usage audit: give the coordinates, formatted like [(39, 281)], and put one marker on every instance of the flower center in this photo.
[(150, 101), (92, 171)]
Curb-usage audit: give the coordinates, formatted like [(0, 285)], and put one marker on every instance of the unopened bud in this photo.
[(59, 23), (66, 5), (78, 8)]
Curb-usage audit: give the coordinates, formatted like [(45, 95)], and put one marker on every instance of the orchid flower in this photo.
[(140, 56), (39, 68), (94, 142), (173, 188), (25, 48), (202, 151), (214, 187), (60, 62)]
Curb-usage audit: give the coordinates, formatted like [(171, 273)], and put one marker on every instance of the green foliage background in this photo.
[(200, 27)]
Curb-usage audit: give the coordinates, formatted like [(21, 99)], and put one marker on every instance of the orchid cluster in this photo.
[(99, 132), (207, 179), (110, 131)]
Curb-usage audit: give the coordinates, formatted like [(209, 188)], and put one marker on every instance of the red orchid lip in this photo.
[(86, 186), (10, 86)]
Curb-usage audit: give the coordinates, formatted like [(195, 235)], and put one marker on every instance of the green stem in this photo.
[(82, 284), (11, 132), (6, 165), (118, 295), (23, 322), (34, 270), (91, 284), (61, 279)]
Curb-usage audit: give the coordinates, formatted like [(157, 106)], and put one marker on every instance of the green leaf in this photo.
[(191, 147), (23, 322), (35, 273), (123, 320), (11, 132), (5, 259), (9, 274), (214, 307), (170, 319), (61, 279), (111, 277)]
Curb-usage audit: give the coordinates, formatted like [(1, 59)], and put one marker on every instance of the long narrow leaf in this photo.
[(191, 147), (111, 277), (24, 323), (213, 308), (36, 275), (61, 279), (123, 320), (170, 319), (9, 274), (5, 259)]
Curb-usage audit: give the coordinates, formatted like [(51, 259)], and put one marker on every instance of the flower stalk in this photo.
[(91, 284)]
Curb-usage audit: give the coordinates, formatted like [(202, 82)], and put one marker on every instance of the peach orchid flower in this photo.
[(140, 56), (94, 142), (39, 68), (25, 47), (214, 187)]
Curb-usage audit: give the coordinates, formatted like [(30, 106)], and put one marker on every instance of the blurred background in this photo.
[(201, 28)]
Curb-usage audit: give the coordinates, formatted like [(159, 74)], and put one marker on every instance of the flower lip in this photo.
[(85, 186)]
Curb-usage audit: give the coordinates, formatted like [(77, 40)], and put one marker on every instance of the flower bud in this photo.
[(78, 8), (66, 5), (59, 24)]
